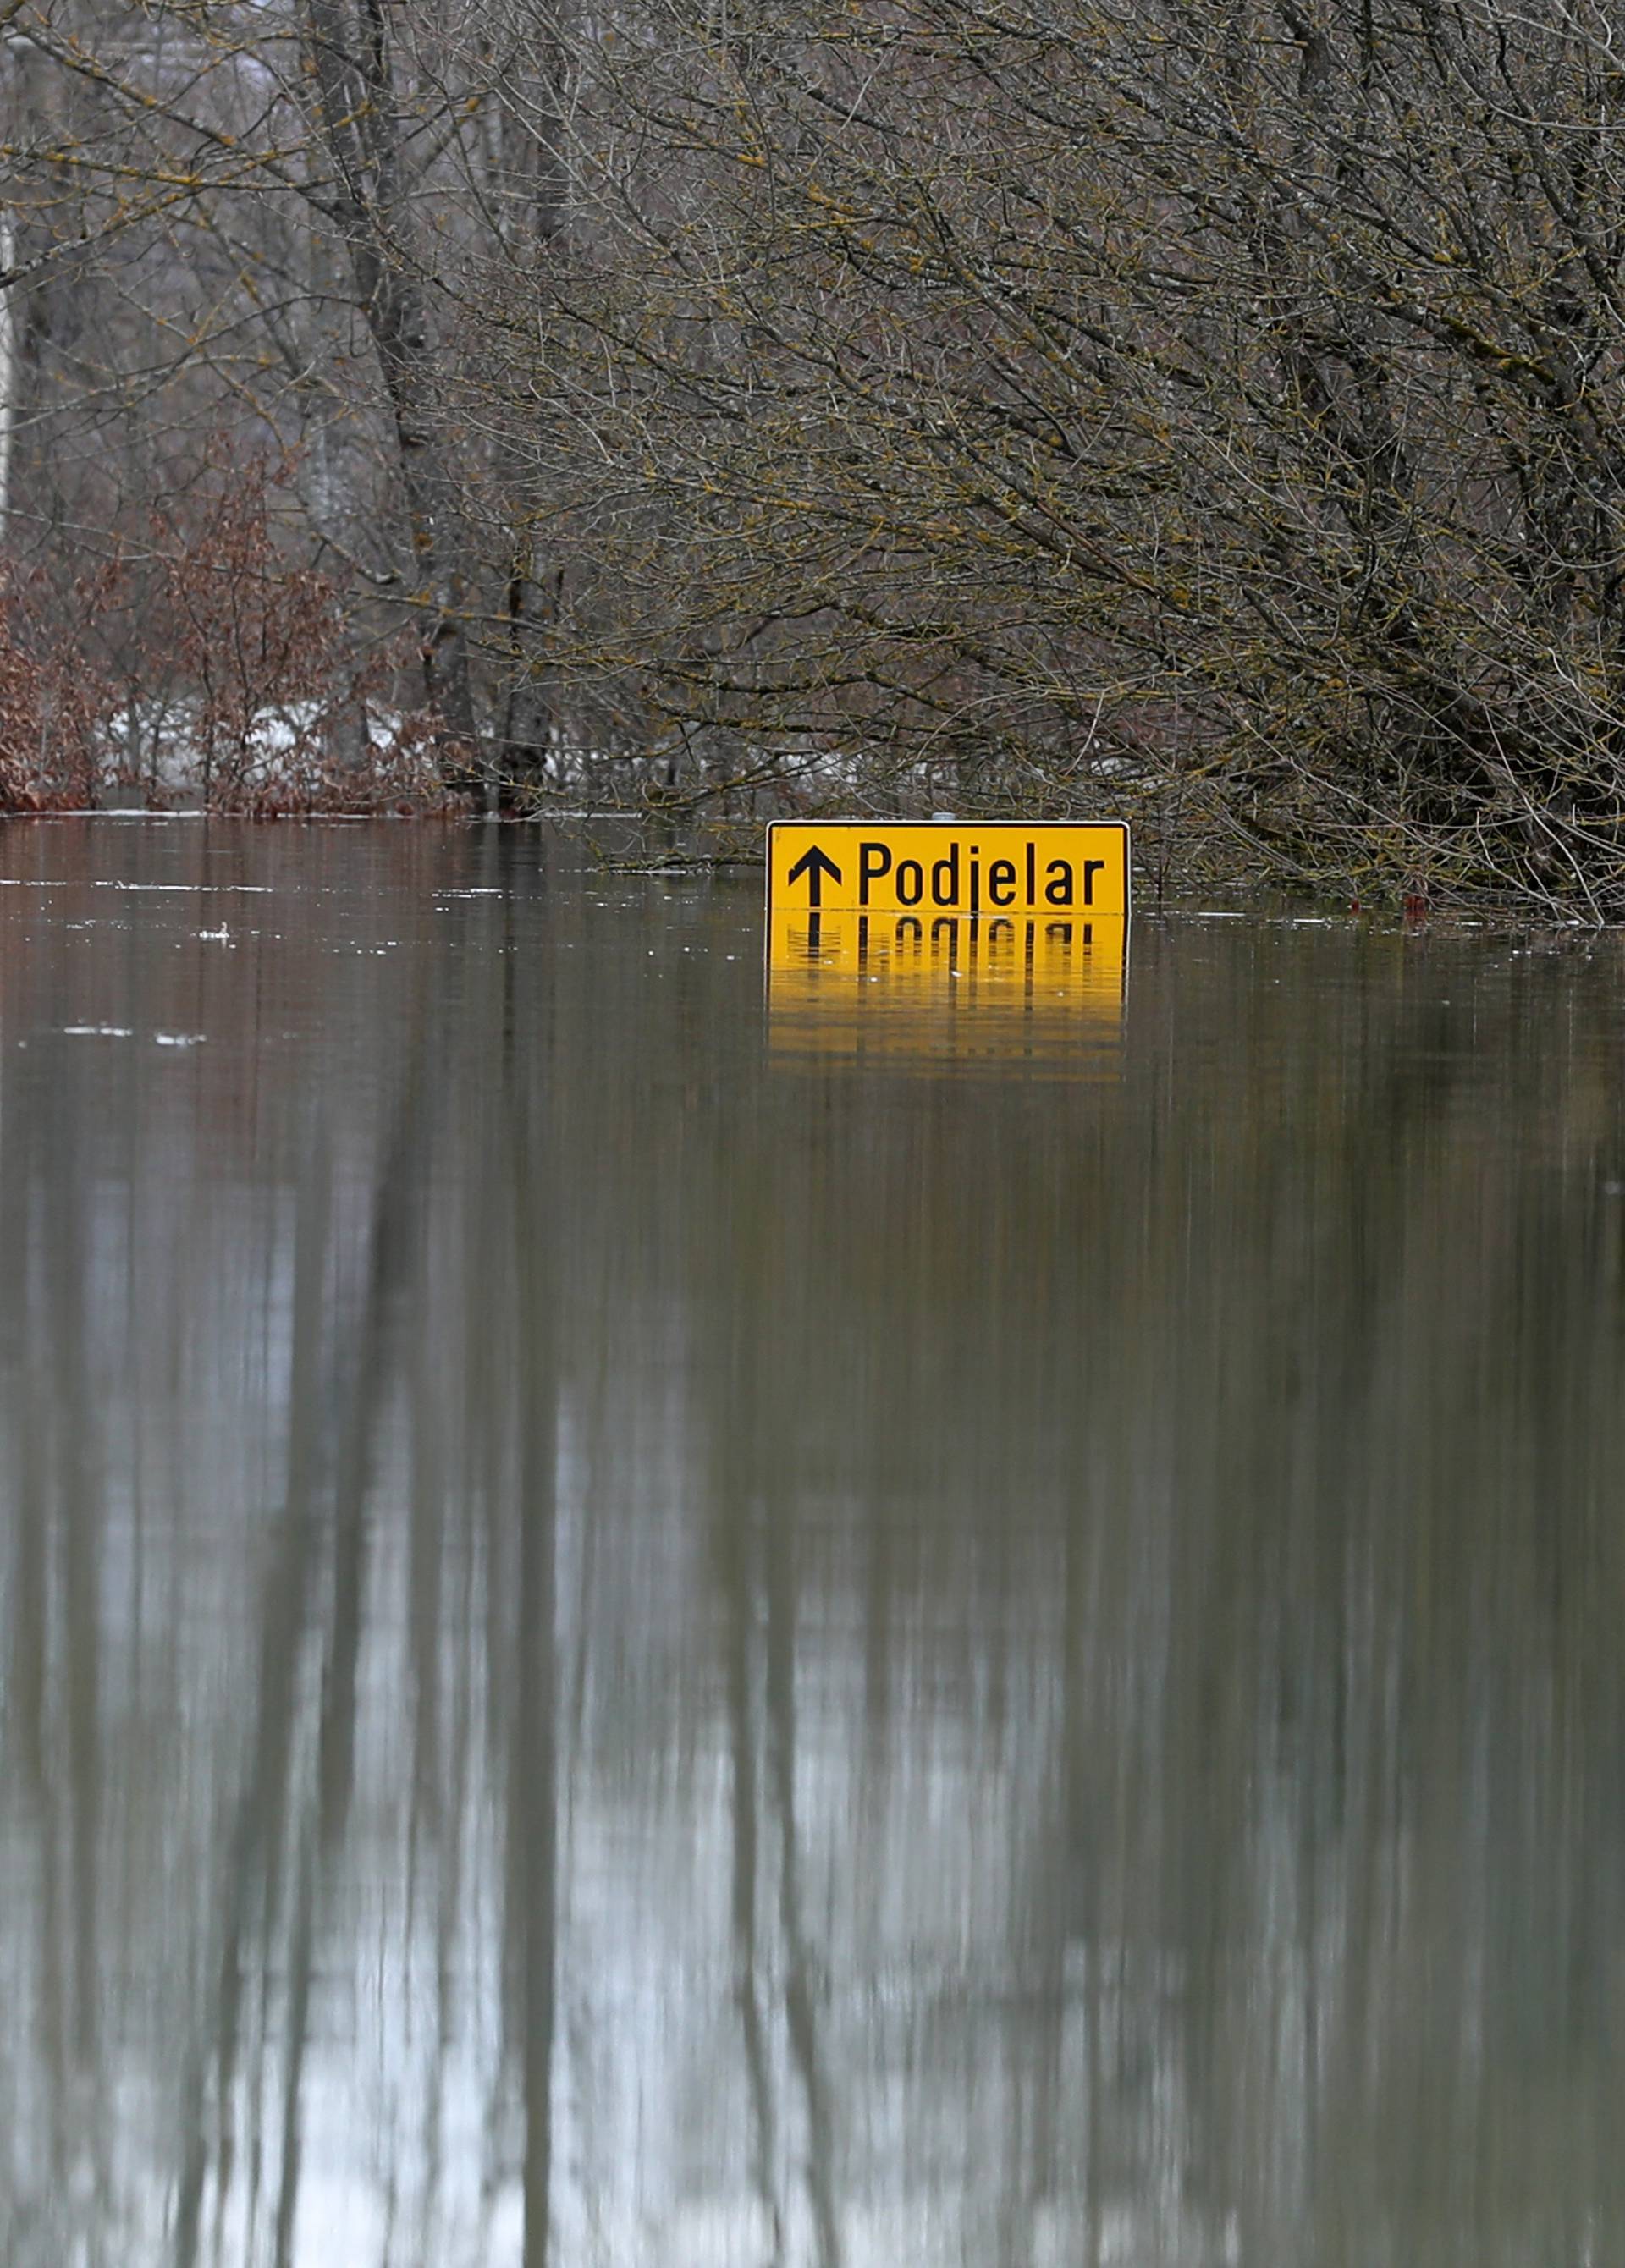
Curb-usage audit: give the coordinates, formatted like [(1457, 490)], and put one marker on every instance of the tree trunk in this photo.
[(352, 65), (541, 181)]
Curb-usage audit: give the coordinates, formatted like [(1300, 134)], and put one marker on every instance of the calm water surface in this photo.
[(632, 1636)]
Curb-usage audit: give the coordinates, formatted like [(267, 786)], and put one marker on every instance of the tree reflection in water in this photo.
[(613, 1652)]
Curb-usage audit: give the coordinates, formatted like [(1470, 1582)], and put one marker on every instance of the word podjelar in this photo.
[(998, 866)]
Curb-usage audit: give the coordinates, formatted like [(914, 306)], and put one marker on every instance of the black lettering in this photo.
[(976, 881), (1032, 874), (910, 894), (1091, 867), (1002, 883), (874, 860), (1058, 884), (945, 895)]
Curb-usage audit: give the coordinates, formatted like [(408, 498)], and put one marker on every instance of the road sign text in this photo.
[(999, 867)]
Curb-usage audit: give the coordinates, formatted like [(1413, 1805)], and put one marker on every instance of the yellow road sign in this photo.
[(993, 867), (1025, 986)]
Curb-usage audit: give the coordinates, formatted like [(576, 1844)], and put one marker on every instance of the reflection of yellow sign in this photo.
[(944, 985), (1000, 867)]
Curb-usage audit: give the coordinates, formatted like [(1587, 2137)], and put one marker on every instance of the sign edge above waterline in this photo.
[(1062, 846)]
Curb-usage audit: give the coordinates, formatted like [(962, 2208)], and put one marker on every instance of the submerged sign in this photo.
[(996, 867)]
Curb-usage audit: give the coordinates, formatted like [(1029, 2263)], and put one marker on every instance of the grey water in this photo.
[(654, 1622)]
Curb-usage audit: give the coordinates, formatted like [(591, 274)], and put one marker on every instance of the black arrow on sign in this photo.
[(815, 863)]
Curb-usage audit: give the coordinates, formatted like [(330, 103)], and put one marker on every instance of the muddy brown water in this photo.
[(635, 1632)]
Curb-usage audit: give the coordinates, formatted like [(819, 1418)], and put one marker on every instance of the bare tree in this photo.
[(993, 393), (1018, 402)]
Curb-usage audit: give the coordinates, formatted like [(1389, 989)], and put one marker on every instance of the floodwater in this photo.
[(917, 1630)]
